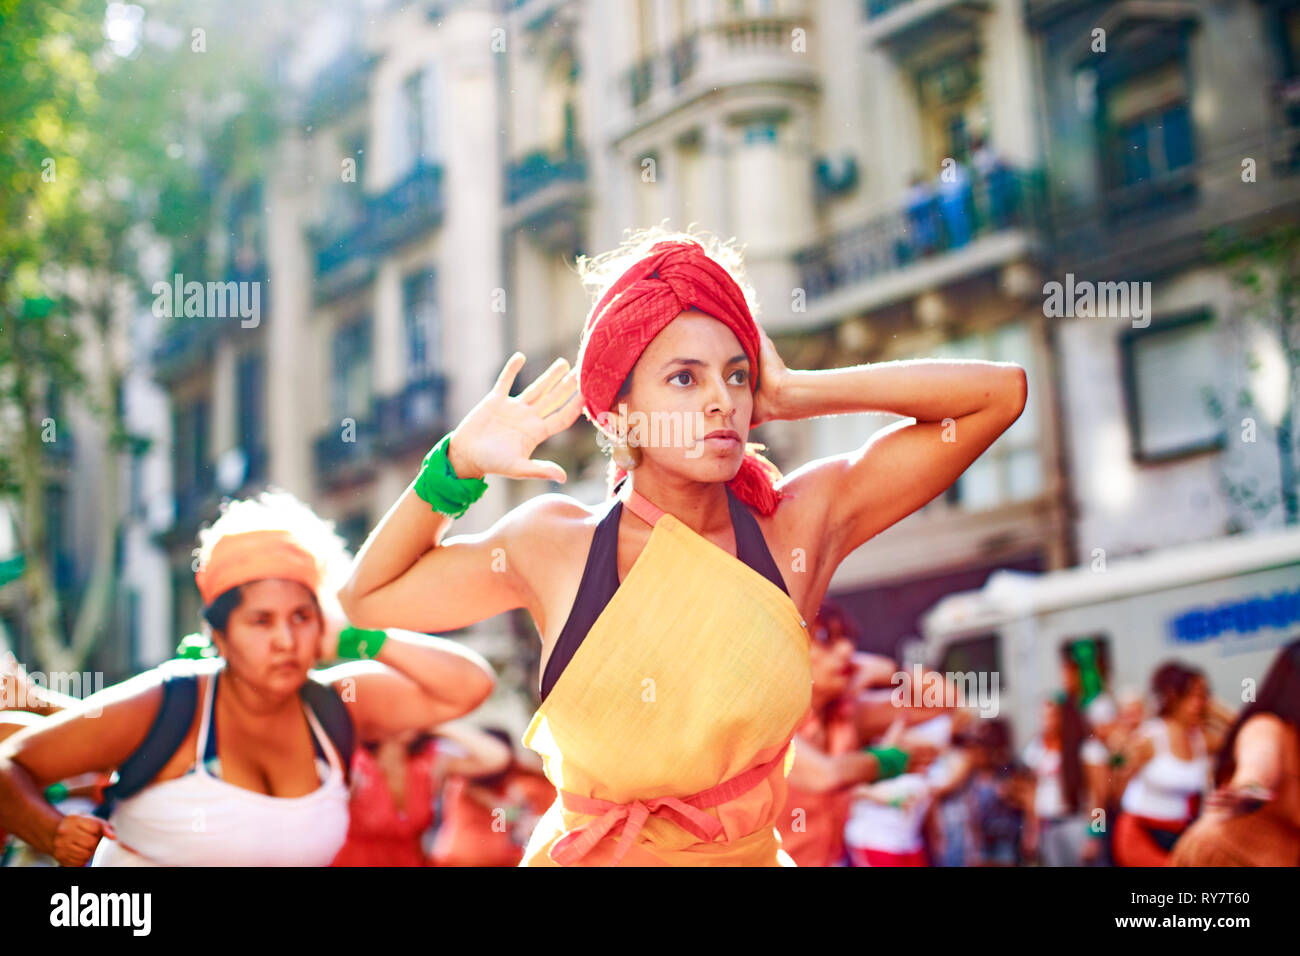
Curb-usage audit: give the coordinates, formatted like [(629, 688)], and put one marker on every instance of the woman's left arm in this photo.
[(959, 407), (413, 682)]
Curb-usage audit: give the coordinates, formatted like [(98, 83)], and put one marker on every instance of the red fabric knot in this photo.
[(574, 846), (687, 812), (675, 276)]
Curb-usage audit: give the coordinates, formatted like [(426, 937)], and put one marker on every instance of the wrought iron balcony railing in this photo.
[(411, 206), (927, 224)]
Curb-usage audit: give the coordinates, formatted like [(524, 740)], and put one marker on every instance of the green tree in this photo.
[(117, 133)]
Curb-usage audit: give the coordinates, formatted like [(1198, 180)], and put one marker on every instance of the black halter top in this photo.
[(600, 578)]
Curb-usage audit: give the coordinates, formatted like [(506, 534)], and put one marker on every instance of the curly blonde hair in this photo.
[(277, 510)]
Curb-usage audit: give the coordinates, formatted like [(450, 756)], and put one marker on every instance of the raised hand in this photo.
[(772, 374), (499, 434)]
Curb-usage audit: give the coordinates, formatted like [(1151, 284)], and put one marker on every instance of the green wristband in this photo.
[(56, 792), (356, 643), (438, 486), (892, 761)]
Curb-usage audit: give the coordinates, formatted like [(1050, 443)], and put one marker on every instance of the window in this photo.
[(974, 655), (1011, 469), (246, 230), (350, 388), (416, 125), (354, 529), (190, 438), (413, 116), (1148, 127), (57, 543), (1167, 366), (952, 108), (420, 319), (250, 414)]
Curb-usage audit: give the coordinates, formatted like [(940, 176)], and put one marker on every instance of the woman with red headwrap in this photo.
[(256, 779), (673, 620)]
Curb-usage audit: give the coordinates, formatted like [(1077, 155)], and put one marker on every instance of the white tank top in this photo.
[(1163, 788), (200, 820)]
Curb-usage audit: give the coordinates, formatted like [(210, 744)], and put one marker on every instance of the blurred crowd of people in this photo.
[(1130, 778), (456, 795), (1166, 777)]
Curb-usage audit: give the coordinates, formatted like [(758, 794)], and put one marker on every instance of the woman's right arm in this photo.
[(98, 735), (406, 576)]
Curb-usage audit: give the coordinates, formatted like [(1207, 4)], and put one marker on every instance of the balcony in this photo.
[(186, 344), (414, 418), (930, 240), (188, 340), (346, 253), (409, 420), (1163, 221), (195, 499), (905, 26), (541, 169), (736, 49), (343, 458), (639, 81), (546, 193)]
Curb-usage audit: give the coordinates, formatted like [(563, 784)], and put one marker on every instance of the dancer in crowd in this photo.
[(1166, 768), (952, 828), (488, 819), (395, 781), (829, 757), (238, 768), (1071, 771), (1085, 671), (887, 819), (26, 703), (996, 817), (1253, 817), (673, 621)]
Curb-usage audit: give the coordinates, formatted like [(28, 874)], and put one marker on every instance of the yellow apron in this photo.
[(668, 735)]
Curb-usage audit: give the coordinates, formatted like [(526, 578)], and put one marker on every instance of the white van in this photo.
[(1223, 606)]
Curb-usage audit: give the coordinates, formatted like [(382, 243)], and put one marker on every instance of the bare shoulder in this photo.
[(541, 518), (547, 539), (1263, 728)]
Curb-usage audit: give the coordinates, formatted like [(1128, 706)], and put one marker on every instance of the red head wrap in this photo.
[(673, 277)]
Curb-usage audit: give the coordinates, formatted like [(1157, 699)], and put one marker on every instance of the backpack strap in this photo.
[(334, 717), (180, 696)]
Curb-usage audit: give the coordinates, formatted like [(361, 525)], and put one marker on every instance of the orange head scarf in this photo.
[(252, 556), (674, 276)]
